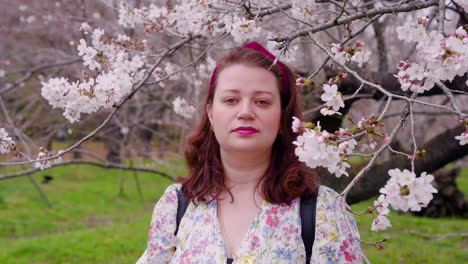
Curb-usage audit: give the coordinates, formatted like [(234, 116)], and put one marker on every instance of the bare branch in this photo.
[(414, 5), (106, 164)]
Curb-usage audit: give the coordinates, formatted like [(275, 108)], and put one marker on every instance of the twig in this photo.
[(441, 17), (39, 189), (107, 164), (36, 69), (451, 99)]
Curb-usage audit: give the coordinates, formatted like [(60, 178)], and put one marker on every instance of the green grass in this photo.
[(91, 223)]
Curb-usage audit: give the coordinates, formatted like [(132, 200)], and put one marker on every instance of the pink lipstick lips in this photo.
[(245, 130)]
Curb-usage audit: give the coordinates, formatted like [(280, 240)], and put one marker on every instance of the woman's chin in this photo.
[(247, 147)]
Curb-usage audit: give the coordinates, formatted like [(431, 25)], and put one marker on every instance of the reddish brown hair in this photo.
[(285, 179)]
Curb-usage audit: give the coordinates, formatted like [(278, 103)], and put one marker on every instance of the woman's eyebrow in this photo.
[(255, 92)]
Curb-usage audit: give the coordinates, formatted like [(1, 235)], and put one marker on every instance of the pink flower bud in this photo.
[(300, 81), (385, 136), (373, 144)]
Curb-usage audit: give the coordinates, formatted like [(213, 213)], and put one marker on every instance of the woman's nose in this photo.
[(246, 111)]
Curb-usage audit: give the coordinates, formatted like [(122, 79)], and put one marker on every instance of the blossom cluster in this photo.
[(6, 143), (443, 57), (189, 17), (371, 125), (304, 10), (45, 164), (343, 54), (182, 108), (333, 100), (316, 147), (240, 28), (403, 191), (107, 85)]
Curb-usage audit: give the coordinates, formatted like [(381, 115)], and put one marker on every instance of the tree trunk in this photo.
[(449, 201)]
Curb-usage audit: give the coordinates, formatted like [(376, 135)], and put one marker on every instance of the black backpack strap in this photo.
[(307, 211), (181, 208)]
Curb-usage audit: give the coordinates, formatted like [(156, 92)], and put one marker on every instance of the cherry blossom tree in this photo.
[(370, 71)]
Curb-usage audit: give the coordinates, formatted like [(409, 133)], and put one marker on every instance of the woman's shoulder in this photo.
[(169, 199), (173, 188), (325, 192)]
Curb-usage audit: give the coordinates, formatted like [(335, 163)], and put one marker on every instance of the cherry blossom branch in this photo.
[(387, 105), (17, 132), (288, 16), (106, 164), (361, 173), (398, 152), (377, 244), (199, 57), (415, 147), (378, 87), (369, 210), (272, 10), (451, 98), (317, 108), (414, 5), (351, 137), (344, 42), (422, 113), (441, 17), (169, 51)]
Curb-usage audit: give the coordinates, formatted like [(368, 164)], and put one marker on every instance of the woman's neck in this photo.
[(243, 171)]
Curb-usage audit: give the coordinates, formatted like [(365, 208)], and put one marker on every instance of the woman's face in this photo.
[(246, 109)]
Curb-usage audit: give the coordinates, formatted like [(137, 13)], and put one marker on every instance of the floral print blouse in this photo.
[(274, 236)]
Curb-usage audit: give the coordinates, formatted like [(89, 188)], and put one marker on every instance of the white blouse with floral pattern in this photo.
[(273, 237)]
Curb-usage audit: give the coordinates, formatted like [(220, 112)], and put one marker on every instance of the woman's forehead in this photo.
[(241, 78)]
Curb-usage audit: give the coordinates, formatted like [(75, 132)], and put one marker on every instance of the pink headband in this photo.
[(256, 46)]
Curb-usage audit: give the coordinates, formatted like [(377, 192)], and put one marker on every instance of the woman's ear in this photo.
[(209, 112)]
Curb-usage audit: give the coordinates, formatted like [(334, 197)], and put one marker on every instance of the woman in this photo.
[(245, 182)]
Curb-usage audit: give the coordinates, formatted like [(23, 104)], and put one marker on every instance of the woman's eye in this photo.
[(230, 101), (263, 102)]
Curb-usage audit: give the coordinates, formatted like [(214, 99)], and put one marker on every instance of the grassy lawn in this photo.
[(91, 223)]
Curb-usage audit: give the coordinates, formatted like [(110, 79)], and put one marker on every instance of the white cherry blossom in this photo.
[(361, 57), (330, 92), (404, 191), (182, 108), (6, 143), (381, 222), (463, 138), (296, 125)]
